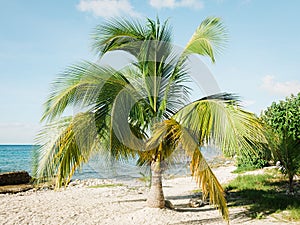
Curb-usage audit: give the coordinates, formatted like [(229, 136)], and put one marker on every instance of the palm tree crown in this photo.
[(143, 110)]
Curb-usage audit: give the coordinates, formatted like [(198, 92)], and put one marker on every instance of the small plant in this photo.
[(293, 213), (260, 215)]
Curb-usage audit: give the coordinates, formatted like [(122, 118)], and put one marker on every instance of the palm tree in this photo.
[(143, 110), (285, 148), (287, 151)]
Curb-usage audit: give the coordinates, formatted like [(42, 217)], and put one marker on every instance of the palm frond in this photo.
[(286, 149), (209, 39), (218, 120), (80, 85), (64, 146), (129, 135), (173, 90), (119, 34), (208, 182)]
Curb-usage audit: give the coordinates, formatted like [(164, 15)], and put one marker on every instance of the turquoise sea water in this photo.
[(15, 157), (19, 157)]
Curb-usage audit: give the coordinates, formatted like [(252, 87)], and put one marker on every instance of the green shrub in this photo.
[(253, 161)]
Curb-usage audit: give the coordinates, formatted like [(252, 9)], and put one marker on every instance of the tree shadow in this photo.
[(218, 219), (202, 221), (181, 197), (263, 202), (131, 200), (187, 208)]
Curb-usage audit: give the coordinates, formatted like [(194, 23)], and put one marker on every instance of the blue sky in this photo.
[(38, 39)]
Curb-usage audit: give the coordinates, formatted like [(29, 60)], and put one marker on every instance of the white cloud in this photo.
[(194, 4), (283, 88), (107, 8)]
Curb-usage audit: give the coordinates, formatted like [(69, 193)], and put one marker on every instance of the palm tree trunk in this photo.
[(291, 188), (156, 197)]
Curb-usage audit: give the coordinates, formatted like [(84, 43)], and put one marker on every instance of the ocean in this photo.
[(19, 157)]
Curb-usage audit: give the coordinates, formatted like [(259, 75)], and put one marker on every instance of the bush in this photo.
[(282, 120), (250, 161)]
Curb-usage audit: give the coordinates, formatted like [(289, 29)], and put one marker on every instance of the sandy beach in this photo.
[(81, 203)]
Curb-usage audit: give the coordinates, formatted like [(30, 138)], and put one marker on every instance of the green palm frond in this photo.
[(119, 34), (80, 85), (65, 145), (157, 46), (286, 149), (291, 148), (173, 91), (132, 37), (218, 120), (129, 135), (45, 153), (209, 39), (158, 31)]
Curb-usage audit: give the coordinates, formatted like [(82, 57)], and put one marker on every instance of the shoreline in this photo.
[(115, 203)]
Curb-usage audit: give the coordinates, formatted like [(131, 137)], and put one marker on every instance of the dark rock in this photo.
[(12, 189), (196, 203), (13, 178)]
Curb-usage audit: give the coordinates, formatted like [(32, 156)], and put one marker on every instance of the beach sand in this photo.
[(82, 204)]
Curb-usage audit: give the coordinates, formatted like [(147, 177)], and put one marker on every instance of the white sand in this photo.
[(126, 204)]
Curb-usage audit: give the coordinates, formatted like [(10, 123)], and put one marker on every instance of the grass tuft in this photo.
[(293, 213), (244, 169)]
